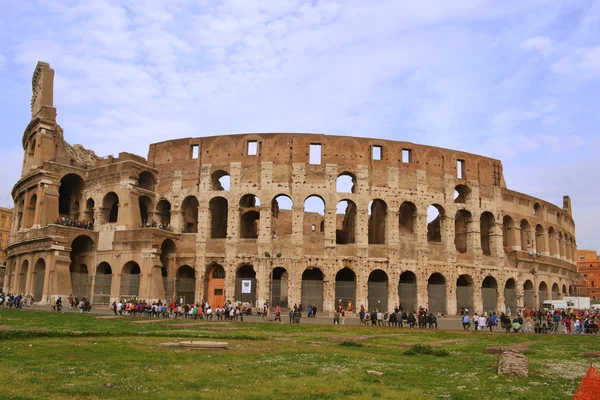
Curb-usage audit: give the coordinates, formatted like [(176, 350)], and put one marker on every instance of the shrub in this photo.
[(350, 343), (426, 349)]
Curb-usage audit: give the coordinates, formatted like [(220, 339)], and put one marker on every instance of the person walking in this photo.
[(466, 321)]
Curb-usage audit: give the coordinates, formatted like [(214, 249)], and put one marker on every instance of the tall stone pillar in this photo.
[(451, 294)]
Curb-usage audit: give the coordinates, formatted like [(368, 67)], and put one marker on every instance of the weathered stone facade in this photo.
[(223, 231)]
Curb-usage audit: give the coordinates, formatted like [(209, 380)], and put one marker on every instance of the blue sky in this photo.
[(514, 80)]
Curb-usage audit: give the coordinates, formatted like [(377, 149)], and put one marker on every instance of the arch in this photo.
[(537, 210), (163, 212), (279, 287), (510, 295), (69, 193), (540, 239), (249, 217), (542, 293), (130, 280), (528, 294), (464, 293), (249, 200), (555, 291), (245, 284), (167, 251), (90, 206), (220, 180), (462, 194), (281, 216), (436, 291), (489, 293), (82, 255), (214, 284), (102, 283), (110, 207), (407, 291), (561, 245), (508, 232), (345, 183), (553, 248), (31, 208), (146, 208), (185, 285), (219, 217), (314, 214), (526, 243), (378, 211), (564, 290), (435, 218), (146, 180), (462, 227), (189, 210), (407, 217), (345, 289), (39, 273), (345, 222), (378, 291), (24, 271), (486, 229), (312, 288)]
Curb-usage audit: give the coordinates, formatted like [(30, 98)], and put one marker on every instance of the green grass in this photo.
[(72, 356)]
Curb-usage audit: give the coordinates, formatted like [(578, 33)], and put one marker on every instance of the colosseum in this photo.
[(291, 218)]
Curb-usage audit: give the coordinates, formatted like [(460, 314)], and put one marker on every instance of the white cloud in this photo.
[(541, 44)]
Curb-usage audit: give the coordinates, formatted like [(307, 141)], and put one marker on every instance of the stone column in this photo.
[(329, 294), (40, 203), (330, 225), (451, 295)]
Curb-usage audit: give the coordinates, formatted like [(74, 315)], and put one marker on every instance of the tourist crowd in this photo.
[(75, 223), (16, 300), (154, 224), (202, 310)]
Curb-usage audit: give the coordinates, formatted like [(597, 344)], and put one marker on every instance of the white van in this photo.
[(555, 304)]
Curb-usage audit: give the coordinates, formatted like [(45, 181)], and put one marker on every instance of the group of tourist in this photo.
[(154, 224), (17, 301), (198, 311), (75, 223), (397, 318)]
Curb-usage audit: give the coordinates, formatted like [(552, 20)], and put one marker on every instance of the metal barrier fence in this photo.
[(345, 291), (378, 296), (408, 296), (312, 294), (437, 297), (464, 298)]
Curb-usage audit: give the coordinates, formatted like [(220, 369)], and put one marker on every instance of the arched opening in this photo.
[(168, 253), (163, 213), (39, 273), (489, 292), (20, 210), (462, 194), (462, 225), (345, 222), (435, 215), (185, 285), (540, 239), (130, 280), (219, 217), (528, 294), (82, 255), (245, 284), (345, 183), (378, 291), (249, 217), (555, 291), (23, 276), (508, 232), (146, 216), (189, 210), (486, 229), (537, 210), (102, 283), (31, 211), (345, 289), (436, 290), (378, 210), (542, 293), (215, 285), (552, 242), (220, 180), (281, 216), (69, 195), (510, 295), (564, 290), (110, 207), (407, 291), (32, 147), (146, 180), (89, 210), (312, 288), (407, 217), (526, 243), (314, 215), (464, 293), (279, 287)]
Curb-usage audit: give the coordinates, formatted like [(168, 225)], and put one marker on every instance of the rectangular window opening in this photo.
[(377, 152), (252, 147), (195, 149), (315, 154), (460, 169), (406, 156), (313, 228)]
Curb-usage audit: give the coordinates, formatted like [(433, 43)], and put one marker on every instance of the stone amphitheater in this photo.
[(290, 218)]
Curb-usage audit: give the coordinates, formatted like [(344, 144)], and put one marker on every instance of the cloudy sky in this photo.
[(515, 80)]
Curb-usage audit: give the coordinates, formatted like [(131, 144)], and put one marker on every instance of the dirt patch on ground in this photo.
[(12, 328), (513, 363), (361, 337), (207, 328), (108, 317), (592, 354), (146, 321)]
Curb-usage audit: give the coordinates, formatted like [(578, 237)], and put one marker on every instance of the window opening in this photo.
[(406, 156), (195, 151), (460, 165), (377, 151), (315, 154), (252, 147)]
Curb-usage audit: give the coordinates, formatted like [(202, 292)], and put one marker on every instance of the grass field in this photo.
[(72, 356)]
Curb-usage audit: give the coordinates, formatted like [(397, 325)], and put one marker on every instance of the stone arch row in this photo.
[(537, 239)]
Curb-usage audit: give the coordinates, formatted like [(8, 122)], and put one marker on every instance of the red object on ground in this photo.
[(589, 388)]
